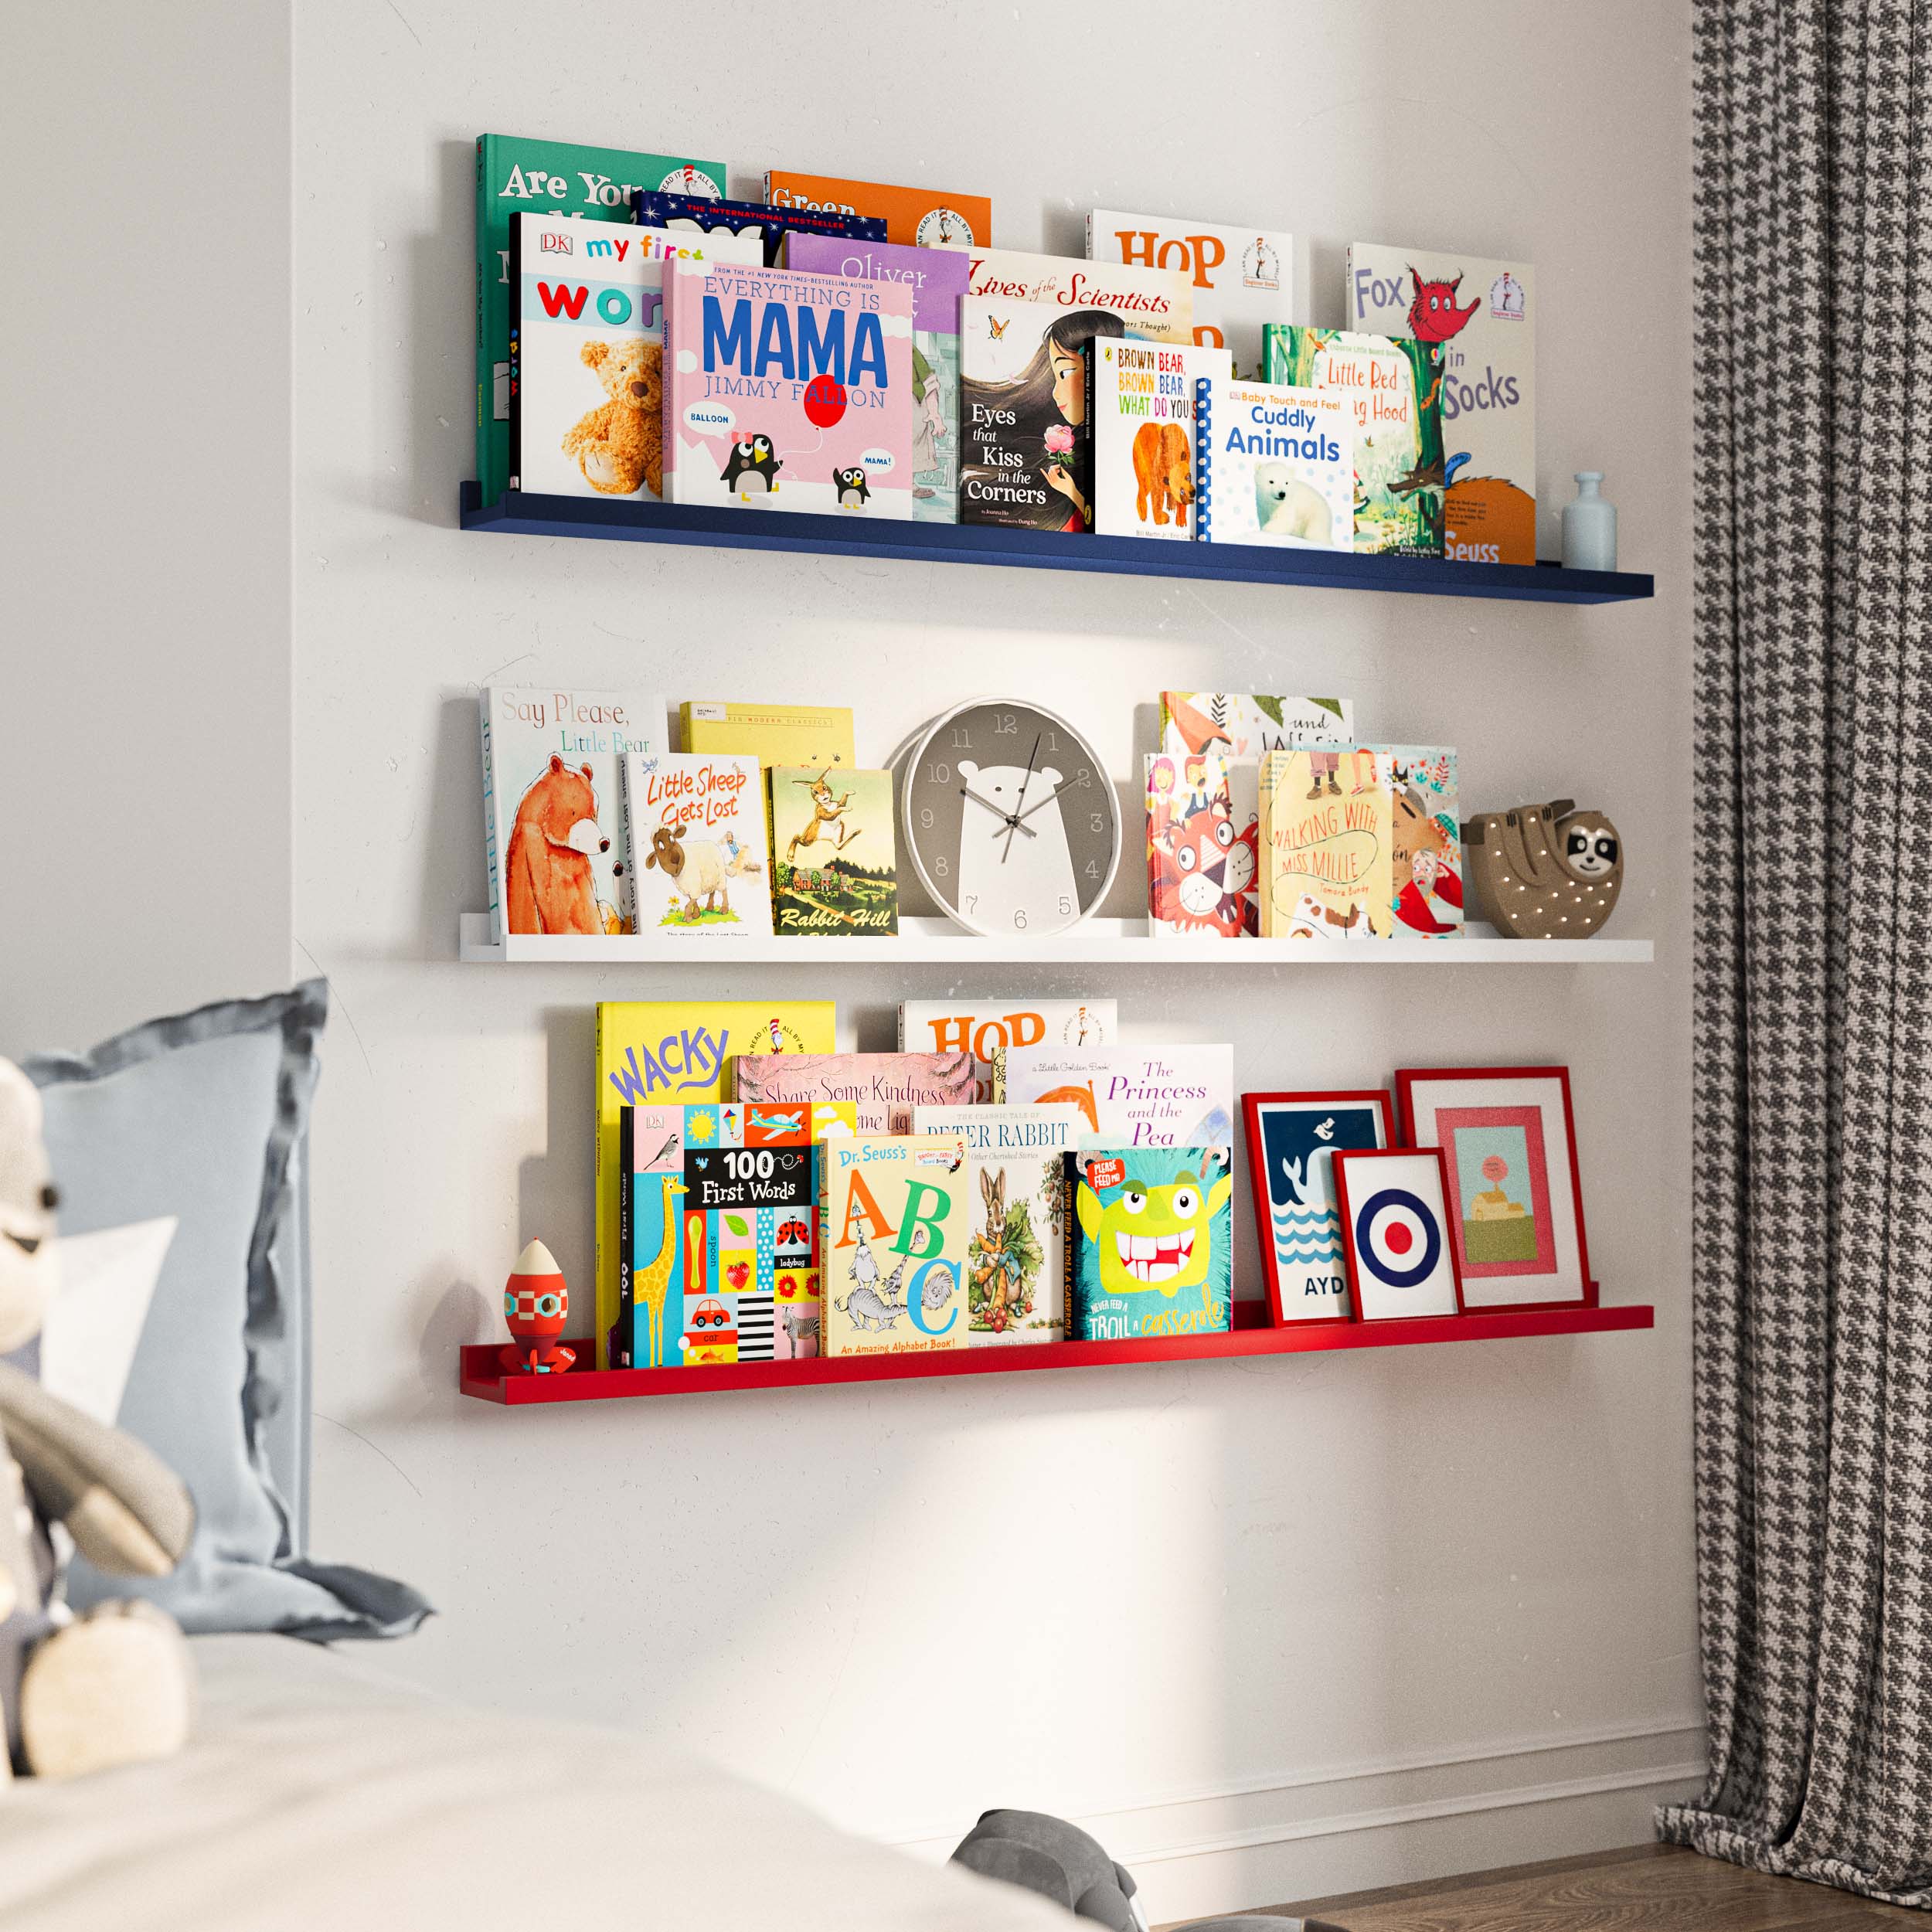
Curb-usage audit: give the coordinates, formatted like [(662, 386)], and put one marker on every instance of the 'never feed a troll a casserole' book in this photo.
[(785, 391)]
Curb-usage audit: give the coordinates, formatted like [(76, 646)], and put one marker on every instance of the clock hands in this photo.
[(1005, 818), (1019, 824), (1012, 823)]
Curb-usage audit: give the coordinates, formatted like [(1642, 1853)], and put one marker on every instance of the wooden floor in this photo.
[(1650, 1888)]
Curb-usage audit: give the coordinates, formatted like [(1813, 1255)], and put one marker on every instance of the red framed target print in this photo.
[(1394, 1232)]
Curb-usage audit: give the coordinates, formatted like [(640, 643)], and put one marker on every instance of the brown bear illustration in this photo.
[(1163, 472), (621, 445), (548, 884)]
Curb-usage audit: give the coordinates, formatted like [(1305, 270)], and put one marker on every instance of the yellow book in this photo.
[(819, 735), (1327, 846), (895, 1221), (671, 1053)]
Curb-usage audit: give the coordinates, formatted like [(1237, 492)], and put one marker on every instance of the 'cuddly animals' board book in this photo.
[(1274, 465), (895, 1220), (834, 869), (697, 854), (1016, 1263), (713, 215), (515, 176), (1326, 828), (1153, 1243), (884, 1087), (980, 1026), (787, 391), (674, 1053), (1241, 724), (1390, 382), (1204, 833), (1143, 411), (1425, 838), (937, 276), (1242, 278), (1483, 313), (1157, 303), (1131, 1096), (553, 819), (914, 217)]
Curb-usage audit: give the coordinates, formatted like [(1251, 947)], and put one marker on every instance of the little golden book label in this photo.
[(1152, 1243), (895, 1222)]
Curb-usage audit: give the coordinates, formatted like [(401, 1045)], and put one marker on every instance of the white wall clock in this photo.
[(1010, 819)]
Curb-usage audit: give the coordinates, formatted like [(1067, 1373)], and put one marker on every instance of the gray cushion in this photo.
[(202, 1117)]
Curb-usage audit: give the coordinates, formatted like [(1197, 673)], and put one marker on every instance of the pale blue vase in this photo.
[(1590, 527)]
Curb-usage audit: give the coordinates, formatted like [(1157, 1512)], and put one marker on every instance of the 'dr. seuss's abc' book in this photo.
[(1144, 411), (1153, 1243), (895, 1222), (834, 872), (698, 857), (1274, 465), (787, 391)]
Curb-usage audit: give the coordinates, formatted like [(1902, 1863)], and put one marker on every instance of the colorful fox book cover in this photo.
[(1203, 836), (1143, 407), (1016, 1263), (1483, 313), (553, 822), (895, 1220), (1274, 465), (1131, 1096), (1425, 838), (1326, 830), (914, 217), (1390, 382), (835, 868), (698, 853), (980, 1026), (1153, 1243), (1156, 303), (677, 1053), (1243, 278), (1239, 724), (786, 391), (515, 176), (884, 1087), (937, 276)]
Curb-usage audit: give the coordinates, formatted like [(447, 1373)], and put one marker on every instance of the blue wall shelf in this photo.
[(520, 515)]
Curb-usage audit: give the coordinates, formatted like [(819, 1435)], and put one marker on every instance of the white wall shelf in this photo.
[(1099, 942)]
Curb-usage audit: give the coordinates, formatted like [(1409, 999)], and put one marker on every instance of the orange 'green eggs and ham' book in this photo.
[(914, 217), (674, 1053)]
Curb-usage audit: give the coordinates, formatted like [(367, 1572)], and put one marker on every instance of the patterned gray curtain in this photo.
[(1813, 1175)]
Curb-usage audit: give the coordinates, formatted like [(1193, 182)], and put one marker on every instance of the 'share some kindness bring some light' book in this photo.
[(698, 857)]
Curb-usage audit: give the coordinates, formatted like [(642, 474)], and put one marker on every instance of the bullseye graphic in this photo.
[(1390, 1227)]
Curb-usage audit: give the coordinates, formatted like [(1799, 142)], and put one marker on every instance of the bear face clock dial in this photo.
[(1010, 819)]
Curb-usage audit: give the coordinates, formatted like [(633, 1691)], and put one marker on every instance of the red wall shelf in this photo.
[(479, 1374)]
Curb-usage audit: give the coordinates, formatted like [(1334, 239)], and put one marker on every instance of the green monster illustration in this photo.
[(1154, 1235)]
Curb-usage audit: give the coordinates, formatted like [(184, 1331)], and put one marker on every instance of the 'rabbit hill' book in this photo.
[(1243, 278), (787, 391), (914, 217), (714, 216), (1153, 1243), (980, 1027), (894, 1223), (884, 1087), (937, 276), (1241, 724), (1326, 830), (675, 1053), (698, 856), (1143, 411), (1155, 303), (1389, 382), (553, 823), (515, 176), (1203, 833), (1274, 465), (1131, 1096), (1016, 1263), (834, 871), (1483, 314), (1425, 845)]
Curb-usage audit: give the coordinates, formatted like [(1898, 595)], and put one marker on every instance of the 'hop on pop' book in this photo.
[(1153, 1243), (981, 1027)]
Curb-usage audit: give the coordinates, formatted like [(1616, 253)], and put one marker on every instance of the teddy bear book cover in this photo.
[(1144, 435), (1153, 1243), (786, 391)]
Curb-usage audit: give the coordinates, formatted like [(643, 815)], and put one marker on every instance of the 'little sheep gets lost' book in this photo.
[(698, 857)]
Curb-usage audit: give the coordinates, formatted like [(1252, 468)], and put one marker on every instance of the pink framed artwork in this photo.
[(1508, 1141), (1394, 1203)]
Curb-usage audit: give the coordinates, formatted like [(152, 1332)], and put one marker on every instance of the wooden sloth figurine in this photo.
[(1544, 872)]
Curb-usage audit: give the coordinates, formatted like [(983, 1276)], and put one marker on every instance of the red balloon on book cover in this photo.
[(825, 401), (536, 1303)]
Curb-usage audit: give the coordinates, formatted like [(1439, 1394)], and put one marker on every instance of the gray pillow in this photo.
[(202, 1117)]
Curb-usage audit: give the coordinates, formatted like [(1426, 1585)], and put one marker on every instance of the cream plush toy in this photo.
[(115, 1686)]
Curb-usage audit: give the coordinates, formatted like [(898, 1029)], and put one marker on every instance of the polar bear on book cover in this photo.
[(1000, 864)]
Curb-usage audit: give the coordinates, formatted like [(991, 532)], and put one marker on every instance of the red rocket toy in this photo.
[(535, 1304)]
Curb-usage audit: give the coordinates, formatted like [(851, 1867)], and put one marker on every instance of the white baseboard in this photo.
[(1299, 1835)]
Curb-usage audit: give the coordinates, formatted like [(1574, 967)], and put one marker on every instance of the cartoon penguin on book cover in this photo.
[(851, 487), (752, 468)]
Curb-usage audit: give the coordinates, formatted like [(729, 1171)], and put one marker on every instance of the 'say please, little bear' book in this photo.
[(698, 857), (834, 875), (786, 391), (894, 1226), (1153, 1243)]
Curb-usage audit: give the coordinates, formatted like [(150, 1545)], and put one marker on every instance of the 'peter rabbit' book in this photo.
[(554, 829), (979, 1026), (1016, 1264), (1143, 411), (834, 865), (884, 1087), (1273, 465), (1203, 836), (895, 1221), (1326, 830), (786, 391), (1243, 278), (698, 856), (1153, 1243), (1131, 1096), (1241, 724), (1483, 313)]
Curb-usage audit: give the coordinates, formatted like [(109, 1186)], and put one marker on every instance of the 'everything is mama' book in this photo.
[(1326, 828), (884, 1087), (1244, 724), (698, 863), (980, 1026), (895, 1220), (786, 391), (1143, 410), (553, 823), (1274, 465), (1131, 1096), (835, 868), (1153, 1243), (914, 217)]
